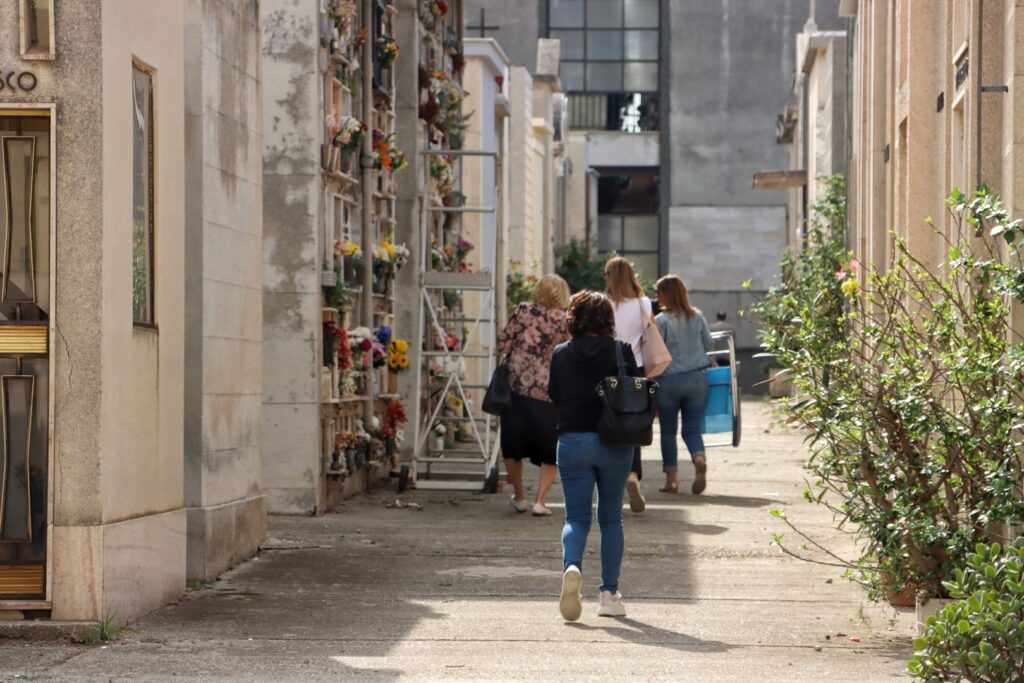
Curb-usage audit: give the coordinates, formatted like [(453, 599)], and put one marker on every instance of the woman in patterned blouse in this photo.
[(528, 426)]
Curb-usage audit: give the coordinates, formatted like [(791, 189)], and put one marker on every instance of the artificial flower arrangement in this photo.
[(348, 133), (348, 250), (332, 338), (439, 7), (387, 51), (342, 12), (348, 384), (446, 339), (442, 169), (452, 257), (346, 440), (386, 155), (361, 343), (379, 346), (344, 351), (847, 275), (398, 355), (388, 259)]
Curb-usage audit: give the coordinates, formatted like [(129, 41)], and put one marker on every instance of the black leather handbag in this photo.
[(627, 418), (498, 397)]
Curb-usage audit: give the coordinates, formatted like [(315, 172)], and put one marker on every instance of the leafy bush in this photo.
[(578, 267), (912, 396), (809, 286), (519, 287), (978, 638)]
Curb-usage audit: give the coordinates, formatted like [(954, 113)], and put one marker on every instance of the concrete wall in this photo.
[(292, 120), (518, 26), (224, 274), (728, 75), (142, 423)]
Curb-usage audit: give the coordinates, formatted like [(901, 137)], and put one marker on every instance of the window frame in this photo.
[(622, 61), (151, 323), (25, 15)]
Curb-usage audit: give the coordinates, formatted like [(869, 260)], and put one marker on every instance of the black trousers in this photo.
[(637, 466)]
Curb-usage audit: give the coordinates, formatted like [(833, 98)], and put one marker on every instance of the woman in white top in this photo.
[(633, 314)]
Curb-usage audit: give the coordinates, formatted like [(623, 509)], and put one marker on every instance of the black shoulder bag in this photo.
[(627, 417), (498, 397)]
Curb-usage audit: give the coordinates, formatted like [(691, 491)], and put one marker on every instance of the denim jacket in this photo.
[(687, 339)]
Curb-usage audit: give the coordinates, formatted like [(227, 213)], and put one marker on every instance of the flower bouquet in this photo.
[(348, 134), (398, 355), (387, 156), (387, 51), (361, 344)]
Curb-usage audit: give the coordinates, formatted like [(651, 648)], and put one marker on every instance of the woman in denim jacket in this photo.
[(683, 386)]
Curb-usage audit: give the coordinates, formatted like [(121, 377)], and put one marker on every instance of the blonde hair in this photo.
[(552, 292), (620, 280), (677, 298)]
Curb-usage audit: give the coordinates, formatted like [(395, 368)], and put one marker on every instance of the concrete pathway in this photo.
[(459, 587)]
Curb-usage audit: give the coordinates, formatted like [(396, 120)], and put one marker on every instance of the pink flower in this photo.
[(841, 274)]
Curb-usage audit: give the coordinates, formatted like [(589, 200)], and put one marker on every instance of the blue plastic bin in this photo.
[(718, 416)]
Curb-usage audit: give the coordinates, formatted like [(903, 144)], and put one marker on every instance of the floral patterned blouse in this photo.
[(529, 341)]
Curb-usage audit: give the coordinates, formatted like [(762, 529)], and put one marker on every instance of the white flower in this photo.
[(440, 429)]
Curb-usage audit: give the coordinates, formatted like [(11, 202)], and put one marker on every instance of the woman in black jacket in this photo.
[(583, 461)]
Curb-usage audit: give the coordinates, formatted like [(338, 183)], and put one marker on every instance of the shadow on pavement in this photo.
[(646, 634)]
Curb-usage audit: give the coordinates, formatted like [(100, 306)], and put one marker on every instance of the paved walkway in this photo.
[(457, 586)]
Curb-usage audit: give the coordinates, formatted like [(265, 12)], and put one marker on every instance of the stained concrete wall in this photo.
[(224, 276), (518, 26), (728, 75), (292, 123)]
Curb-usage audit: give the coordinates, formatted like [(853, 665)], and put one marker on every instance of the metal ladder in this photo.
[(471, 464)]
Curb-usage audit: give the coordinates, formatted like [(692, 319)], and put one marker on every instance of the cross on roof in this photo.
[(483, 27)]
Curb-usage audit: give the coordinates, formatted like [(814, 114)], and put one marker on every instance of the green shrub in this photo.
[(578, 267), (912, 394), (978, 638), (519, 287)]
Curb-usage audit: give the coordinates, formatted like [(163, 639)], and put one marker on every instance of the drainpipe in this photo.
[(978, 91), (366, 186)]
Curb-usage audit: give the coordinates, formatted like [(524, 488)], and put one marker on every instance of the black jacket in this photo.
[(576, 369)]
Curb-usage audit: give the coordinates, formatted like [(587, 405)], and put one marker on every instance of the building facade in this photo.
[(124, 162), (936, 105), (93, 520), (671, 109)]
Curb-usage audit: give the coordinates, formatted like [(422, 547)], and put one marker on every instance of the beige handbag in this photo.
[(652, 347)]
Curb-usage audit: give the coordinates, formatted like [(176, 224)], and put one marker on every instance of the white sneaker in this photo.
[(539, 510), (571, 602), (520, 505), (611, 605)]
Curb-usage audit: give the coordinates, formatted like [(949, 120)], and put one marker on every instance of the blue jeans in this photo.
[(583, 463), (685, 392)]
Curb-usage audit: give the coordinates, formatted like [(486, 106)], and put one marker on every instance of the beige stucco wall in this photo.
[(905, 56), (142, 414)]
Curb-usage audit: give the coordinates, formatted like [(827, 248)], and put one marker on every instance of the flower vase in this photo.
[(360, 457), (438, 443), (390, 447), (380, 284), (351, 270), (350, 459), (336, 464), (345, 163)]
